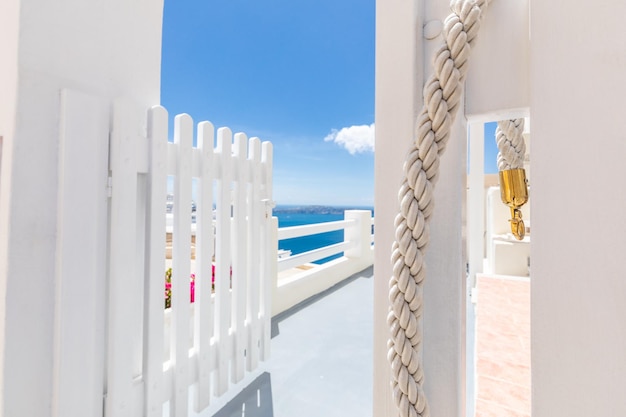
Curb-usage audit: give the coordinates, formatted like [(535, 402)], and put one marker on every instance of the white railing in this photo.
[(297, 279), (219, 339), (316, 254)]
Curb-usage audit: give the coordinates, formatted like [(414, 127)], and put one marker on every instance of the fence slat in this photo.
[(155, 255), (269, 249), (172, 159), (203, 319), (122, 252), (255, 210), (231, 326), (240, 256), (223, 259), (181, 256)]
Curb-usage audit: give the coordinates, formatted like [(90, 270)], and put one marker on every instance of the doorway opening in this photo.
[(499, 277)]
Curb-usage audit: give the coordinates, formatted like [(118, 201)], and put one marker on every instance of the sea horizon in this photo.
[(318, 208)]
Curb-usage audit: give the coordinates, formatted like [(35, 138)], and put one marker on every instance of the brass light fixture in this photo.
[(514, 193)]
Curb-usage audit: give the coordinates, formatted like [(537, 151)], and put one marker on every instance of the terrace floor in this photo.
[(503, 347), (321, 361), (322, 353)]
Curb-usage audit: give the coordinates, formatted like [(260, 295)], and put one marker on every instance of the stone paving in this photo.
[(503, 347)]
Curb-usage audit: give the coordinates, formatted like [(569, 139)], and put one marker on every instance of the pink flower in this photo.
[(192, 285)]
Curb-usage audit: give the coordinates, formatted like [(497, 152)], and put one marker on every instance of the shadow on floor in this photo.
[(366, 273), (314, 375), (254, 401)]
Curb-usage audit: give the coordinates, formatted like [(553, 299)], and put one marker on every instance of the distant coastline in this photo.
[(315, 209)]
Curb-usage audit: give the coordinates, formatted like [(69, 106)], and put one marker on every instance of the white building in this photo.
[(561, 63)]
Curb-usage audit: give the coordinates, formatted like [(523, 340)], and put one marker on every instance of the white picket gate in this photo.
[(222, 335)]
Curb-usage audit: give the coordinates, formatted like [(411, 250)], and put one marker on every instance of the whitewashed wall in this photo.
[(403, 61), (497, 83), (578, 90), (72, 59), (575, 91), (398, 46), (9, 11)]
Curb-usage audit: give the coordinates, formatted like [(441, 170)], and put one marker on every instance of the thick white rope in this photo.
[(511, 146), (442, 94)]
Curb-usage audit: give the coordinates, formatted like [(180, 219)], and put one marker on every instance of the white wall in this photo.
[(398, 46), (293, 288), (9, 11), (576, 65), (94, 51), (578, 90), (403, 57), (497, 82)]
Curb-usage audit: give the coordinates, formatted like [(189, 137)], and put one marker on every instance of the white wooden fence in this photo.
[(222, 335)]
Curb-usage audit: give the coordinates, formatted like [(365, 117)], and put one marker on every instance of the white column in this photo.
[(399, 77), (63, 63), (402, 59), (9, 35), (445, 286), (360, 232), (475, 240), (476, 201)]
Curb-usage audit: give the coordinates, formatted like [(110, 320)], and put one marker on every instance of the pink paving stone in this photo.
[(503, 347), (518, 374), (487, 409)]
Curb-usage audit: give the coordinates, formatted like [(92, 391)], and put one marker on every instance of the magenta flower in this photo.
[(192, 285), (192, 288)]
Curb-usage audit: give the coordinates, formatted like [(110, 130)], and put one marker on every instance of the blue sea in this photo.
[(297, 216)]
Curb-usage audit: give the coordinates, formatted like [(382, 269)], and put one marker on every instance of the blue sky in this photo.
[(491, 149), (297, 73), (291, 72)]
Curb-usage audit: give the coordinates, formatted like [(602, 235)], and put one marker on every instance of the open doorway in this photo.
[(499, 278)]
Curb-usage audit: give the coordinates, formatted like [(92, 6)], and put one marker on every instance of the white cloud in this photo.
[(356, 139)]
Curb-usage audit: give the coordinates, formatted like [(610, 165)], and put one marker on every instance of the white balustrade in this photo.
[(298, 278)]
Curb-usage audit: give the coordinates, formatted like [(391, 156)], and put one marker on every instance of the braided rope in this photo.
[(442, 94), (511, 146)]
